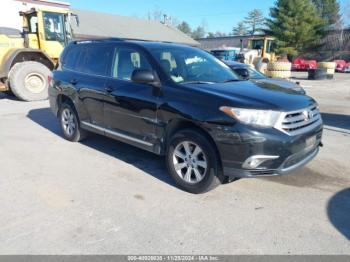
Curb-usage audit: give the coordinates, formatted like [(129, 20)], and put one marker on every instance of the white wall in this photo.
[(9, 16)]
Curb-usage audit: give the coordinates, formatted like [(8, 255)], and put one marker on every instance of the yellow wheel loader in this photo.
[(27, 57)]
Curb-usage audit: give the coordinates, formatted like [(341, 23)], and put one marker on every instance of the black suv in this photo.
[(182, 102)]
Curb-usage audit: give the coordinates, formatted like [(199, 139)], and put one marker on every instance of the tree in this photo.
[(329, 10), (240, 29), (211, 35), (295, 24), (255, 21), (185, 28), (199, 32)]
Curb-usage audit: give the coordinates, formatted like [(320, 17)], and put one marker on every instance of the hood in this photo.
[(258, 95)]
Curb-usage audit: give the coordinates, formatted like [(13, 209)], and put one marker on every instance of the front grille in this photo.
[(300, 121)]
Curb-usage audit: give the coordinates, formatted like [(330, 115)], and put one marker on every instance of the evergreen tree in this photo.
[(255, 21), (185, 28), (329, 10), (240, 29), (295, 24)]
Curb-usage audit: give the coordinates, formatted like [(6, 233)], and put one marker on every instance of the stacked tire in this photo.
[(329, 67), (279, 70)]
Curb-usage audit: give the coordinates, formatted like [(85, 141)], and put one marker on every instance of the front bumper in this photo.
[(238, 143), (282, 170)]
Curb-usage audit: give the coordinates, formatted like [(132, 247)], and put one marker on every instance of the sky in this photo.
[(218, 15)]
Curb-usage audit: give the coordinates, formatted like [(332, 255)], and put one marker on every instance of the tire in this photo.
[(206, 177), (326, 65), (29, 81), (317, 74), (279, 66), (279, 74), (68, 117)]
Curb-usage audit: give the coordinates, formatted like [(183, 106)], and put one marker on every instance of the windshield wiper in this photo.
[(233, 80), (197, 82)]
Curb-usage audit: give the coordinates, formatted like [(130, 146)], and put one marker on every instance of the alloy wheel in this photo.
[(68, 121), (190, 162)]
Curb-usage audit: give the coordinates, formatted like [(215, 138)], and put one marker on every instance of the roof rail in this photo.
[(113, 39)]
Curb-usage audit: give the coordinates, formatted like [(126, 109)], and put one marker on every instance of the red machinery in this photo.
[(300, 64), (341, 66)]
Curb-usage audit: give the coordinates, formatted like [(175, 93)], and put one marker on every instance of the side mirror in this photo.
[(243, 73), (146, 77)]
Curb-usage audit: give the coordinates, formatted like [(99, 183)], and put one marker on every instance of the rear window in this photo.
[(90, 59), (70, 58), (96, 60)]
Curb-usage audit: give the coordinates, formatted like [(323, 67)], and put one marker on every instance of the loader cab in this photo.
[(265, 45), (46, 30)]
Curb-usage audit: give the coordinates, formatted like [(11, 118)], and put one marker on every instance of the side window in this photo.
[(126, 60), (96, 60), (33, 24), (70, 58)]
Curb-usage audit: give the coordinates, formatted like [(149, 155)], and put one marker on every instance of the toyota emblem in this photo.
[(308, 114)]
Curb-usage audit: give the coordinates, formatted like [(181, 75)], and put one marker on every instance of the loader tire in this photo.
[(279, 66), (317, 74), (29, 81), (279, 74), (326, 65)]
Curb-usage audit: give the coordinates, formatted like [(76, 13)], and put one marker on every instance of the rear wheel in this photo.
[(192, 162), (70, 124), (29, 81)]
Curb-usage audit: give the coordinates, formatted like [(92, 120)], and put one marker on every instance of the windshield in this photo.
[(228, 55), (253, 74), (191, 65), (54, 27)]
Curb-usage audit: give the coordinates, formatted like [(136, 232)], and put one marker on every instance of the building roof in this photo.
[(225, 41), (102, 25)]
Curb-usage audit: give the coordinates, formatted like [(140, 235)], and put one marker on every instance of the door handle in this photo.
[(74, 81), (109, 89)]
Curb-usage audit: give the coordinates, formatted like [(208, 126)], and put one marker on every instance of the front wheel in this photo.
[(192, 162)]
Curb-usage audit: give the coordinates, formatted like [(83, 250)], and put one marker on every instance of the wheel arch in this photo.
[(177, 125), (62, 98), (24, 55)]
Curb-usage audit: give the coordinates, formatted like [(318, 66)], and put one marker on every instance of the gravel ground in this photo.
[(105, 197)]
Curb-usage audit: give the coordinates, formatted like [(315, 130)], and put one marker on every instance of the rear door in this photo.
[(93, 69)]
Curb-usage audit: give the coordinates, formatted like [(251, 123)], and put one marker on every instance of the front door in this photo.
[(130, 108)]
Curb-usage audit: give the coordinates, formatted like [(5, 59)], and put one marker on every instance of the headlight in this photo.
[(266, 118)]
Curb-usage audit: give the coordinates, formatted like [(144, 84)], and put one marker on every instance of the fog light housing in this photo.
[(254, 162)]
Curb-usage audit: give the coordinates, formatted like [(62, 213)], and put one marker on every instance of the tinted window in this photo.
[(126, 61), (96, 60), (70, 58)]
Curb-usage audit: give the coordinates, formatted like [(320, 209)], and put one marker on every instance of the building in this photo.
[(94, 24), (100, 25), (225, 41)]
